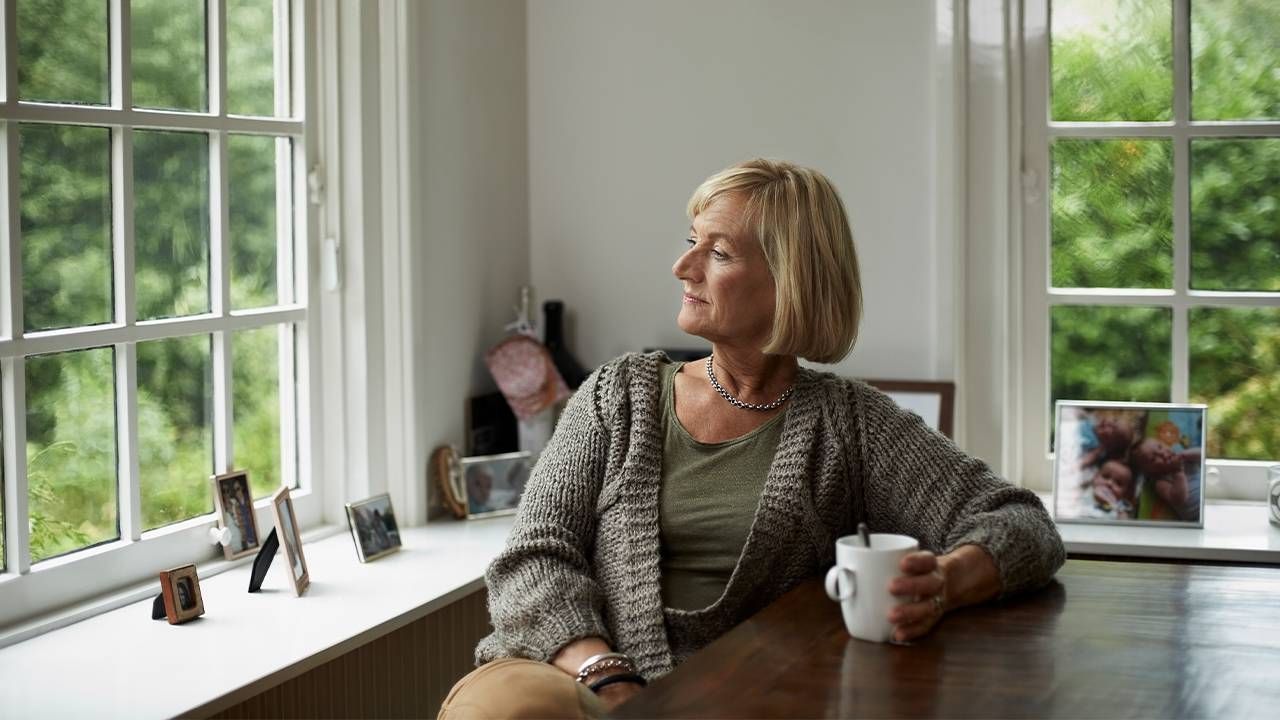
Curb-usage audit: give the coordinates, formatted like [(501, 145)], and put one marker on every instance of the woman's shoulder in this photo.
[(847, 396), (625, 377)]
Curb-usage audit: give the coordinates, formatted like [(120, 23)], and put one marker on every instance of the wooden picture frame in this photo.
[(373, 527), (934, 401), (290, 539), (233, 500), (180, 587), (1127, 463)]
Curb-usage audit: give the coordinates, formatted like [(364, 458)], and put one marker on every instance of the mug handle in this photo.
[(841, 576)]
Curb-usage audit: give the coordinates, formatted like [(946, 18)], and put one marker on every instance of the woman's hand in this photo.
[(922, 581), (964, 576)]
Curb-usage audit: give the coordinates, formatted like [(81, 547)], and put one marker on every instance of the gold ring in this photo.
[(937, 603)]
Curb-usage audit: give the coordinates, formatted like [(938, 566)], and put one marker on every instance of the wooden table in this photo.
[(1106, 639)]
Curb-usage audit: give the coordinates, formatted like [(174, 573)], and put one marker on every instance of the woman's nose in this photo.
[(685, 267)]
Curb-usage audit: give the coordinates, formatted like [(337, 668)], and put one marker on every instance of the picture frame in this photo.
[(290, 539), (447, 474), (180, 587), (233, 500), (493, 484), (933, 401), (373, 527), (1129, 463)]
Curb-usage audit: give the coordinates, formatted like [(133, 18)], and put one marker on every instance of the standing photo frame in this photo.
[(233, 499), (1129, 463), (373, 527), (493, 484), (180, 590), (291, 539)]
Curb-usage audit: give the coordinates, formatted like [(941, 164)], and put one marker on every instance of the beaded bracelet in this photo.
[(604, 661), (617, 678)]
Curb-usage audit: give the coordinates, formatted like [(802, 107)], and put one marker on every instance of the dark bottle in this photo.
[(553, 324)]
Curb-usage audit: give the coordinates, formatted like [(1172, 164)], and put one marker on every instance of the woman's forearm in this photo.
[(971, 576)]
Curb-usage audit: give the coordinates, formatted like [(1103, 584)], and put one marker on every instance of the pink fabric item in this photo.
[(525, 374)]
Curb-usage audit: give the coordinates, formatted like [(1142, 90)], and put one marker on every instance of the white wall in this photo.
[(470, 161), (632, 104)]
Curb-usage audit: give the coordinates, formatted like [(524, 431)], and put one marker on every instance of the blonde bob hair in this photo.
[(801, 224)]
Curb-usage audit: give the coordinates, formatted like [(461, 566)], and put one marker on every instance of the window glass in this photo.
[(1235, 50), (1112, 60), (1235, 370), (175, 429), (256, 407), (66, 225), (252, 209), (168, 54), (1112, 217), (171, 223), (251, 58), (63, 51), (71, 451), (1235, 214), (1110, 353)]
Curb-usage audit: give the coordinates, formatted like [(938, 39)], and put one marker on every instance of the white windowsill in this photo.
[(127, 665), (1233, 532)]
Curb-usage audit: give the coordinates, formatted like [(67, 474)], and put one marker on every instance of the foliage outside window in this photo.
[(123, 372), (1149, 299)]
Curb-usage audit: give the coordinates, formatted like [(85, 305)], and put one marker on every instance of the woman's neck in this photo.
[(751, 375)]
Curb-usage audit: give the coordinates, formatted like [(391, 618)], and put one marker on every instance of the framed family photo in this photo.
[(181, 590), (287, 529), (233, 500), (373, 527), (1129, 463), (493, 484)]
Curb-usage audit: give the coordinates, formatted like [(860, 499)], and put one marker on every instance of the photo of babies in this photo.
[(1129, 463)]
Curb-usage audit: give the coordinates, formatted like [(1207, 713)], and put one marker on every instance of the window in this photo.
[(1151, 227), (153, 319)]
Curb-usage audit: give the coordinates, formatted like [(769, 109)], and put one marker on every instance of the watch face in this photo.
[(1274, 501)]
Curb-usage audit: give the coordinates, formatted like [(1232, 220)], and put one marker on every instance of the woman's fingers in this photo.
[(914, 612), (916, 585), (918, 563)]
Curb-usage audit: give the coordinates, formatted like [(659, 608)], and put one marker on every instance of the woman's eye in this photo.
[(719, 255), (690, 241)]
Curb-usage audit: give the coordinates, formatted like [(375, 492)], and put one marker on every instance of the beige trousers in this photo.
[(519, 688)]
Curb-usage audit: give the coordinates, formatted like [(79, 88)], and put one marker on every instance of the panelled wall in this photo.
[(404, 674)]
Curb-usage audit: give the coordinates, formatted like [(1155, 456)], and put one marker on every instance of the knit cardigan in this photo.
[(583, 555)]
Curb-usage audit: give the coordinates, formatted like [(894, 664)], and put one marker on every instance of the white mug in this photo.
[(859, 581)]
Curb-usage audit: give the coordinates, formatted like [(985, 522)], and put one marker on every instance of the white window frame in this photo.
[(1235, 479), (27, 590)]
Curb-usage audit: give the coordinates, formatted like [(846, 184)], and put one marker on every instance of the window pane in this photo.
[(62, 51), (252, 209), (1112, 60), (1112, 218), (168, 54), (66, 225), (1235, 50), (1235, 370), (1235, 214), (171, 223), (175, 429), (71, 451), (255, 386), (251, 57), (1110, 353)]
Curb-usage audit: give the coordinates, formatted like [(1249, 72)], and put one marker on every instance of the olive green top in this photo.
[(707, 502)]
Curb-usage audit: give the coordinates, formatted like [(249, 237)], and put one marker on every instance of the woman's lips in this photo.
[(693, 300)]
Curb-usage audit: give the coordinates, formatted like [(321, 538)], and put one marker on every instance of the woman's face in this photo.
[(728, 290)]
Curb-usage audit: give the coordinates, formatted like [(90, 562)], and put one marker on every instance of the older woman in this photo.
[(675, 500)]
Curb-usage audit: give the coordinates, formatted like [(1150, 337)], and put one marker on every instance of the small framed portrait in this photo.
[(1129, 463), (290, 538), (493, 484), (181, 590), (233, 499), (373, 527)]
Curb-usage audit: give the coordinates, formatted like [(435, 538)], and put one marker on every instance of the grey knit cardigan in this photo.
[(583, 556)]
